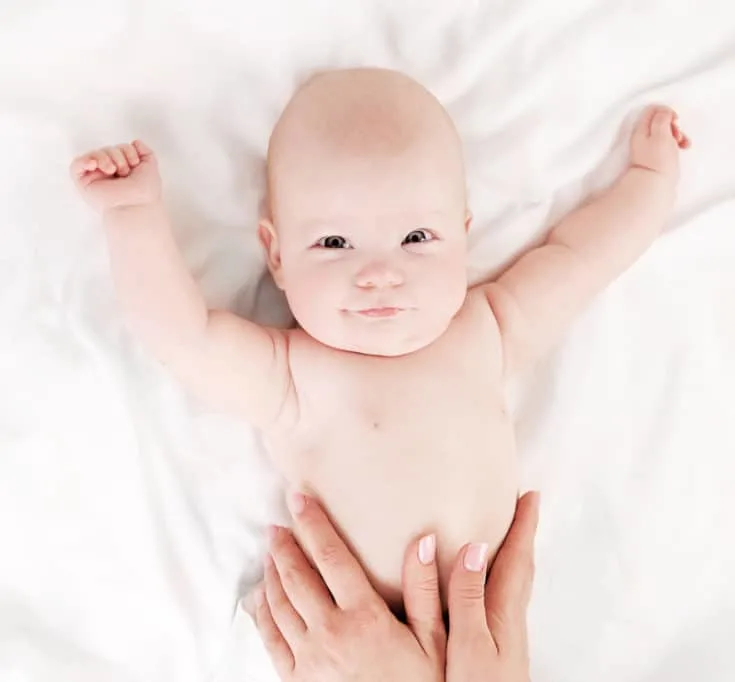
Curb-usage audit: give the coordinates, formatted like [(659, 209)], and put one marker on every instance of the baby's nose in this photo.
[(378, 276)]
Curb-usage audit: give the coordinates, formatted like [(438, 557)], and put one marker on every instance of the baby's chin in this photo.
[(388, 343), (386, 350)]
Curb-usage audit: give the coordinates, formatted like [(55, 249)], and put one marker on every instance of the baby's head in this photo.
[(368, 213)]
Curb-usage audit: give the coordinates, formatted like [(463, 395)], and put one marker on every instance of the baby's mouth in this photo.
[(382, 312)]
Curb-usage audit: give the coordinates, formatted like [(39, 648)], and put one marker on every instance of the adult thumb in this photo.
[(421, 596), (467, 616)]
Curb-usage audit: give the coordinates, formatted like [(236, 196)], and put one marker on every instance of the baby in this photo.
[(387, 402)]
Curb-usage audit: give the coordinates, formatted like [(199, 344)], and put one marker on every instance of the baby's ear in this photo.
[(468, 220), (269, 239)]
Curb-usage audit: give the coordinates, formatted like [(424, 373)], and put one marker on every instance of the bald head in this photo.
[(367, 209), (363, 116)]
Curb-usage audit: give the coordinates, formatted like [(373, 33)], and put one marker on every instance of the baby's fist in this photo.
[(656, 142), (119, 176)]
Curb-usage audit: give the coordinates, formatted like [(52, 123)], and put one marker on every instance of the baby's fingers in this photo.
[(81, 165), (662, 122), (88, 178), (645, 123), (680, 136), (143, 149), (131, 154), (104, 162), (118, 158)]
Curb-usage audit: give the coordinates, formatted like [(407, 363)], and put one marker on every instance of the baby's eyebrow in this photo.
[(341, 221), (332, 222)]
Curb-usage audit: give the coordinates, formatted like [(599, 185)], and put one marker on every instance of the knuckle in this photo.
[(368, 619), (289, 575), (332, 632), (427, 584), (378, 620), (284, 546), (279, 602), (328, 554), (469, 591), (438, 636), (276, 598)]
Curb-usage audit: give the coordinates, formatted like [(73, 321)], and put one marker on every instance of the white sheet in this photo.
[(129, 517)]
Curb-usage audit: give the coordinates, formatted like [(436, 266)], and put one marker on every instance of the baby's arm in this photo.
[(233, 364), (536, 298)]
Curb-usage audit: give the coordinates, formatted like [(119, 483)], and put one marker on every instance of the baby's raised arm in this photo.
[(537, 297), (227, 361)]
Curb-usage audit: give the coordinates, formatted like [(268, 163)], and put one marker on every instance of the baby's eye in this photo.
[(418, 236), (333, 241)]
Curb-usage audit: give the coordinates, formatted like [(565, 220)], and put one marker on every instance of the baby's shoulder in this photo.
[(477, 313), (474, 329), (309, 360)]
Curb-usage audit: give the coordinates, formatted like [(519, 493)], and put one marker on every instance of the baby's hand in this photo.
[(116, 177), (656, 141)]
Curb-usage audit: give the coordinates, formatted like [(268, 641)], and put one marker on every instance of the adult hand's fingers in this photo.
[(511, 579), (301, 583), (274, 642), (288, 621), (339, 569), (421, 596), (467, 617)]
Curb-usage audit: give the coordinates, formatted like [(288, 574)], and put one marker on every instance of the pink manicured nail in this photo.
[(427, 549), (476, 556), (296, 503)]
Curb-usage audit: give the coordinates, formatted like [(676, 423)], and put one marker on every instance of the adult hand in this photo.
[(329, 624), (488, 636)]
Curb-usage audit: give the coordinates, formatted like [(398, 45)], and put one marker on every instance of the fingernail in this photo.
[(296, 503), (427, 549), (476, 556)]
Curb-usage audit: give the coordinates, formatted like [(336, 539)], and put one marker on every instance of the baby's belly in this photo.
[(384, 490)]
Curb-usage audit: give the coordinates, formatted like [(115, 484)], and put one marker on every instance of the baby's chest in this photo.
[(379, 402), (372, 414)]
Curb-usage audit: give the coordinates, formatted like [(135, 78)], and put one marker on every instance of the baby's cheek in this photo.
[(450, 284), (309, 294)]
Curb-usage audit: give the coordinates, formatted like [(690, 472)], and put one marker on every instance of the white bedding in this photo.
[(130, 517)]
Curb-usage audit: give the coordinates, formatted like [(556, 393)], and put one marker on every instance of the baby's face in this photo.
[(373, 259), (368, 238)]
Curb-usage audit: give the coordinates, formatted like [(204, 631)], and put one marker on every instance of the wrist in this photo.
[(115, 212), (663, 178)]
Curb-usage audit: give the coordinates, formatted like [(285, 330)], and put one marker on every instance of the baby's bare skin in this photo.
[(388, 403)]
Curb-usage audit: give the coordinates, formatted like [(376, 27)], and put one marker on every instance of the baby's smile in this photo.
[(379, 313)]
